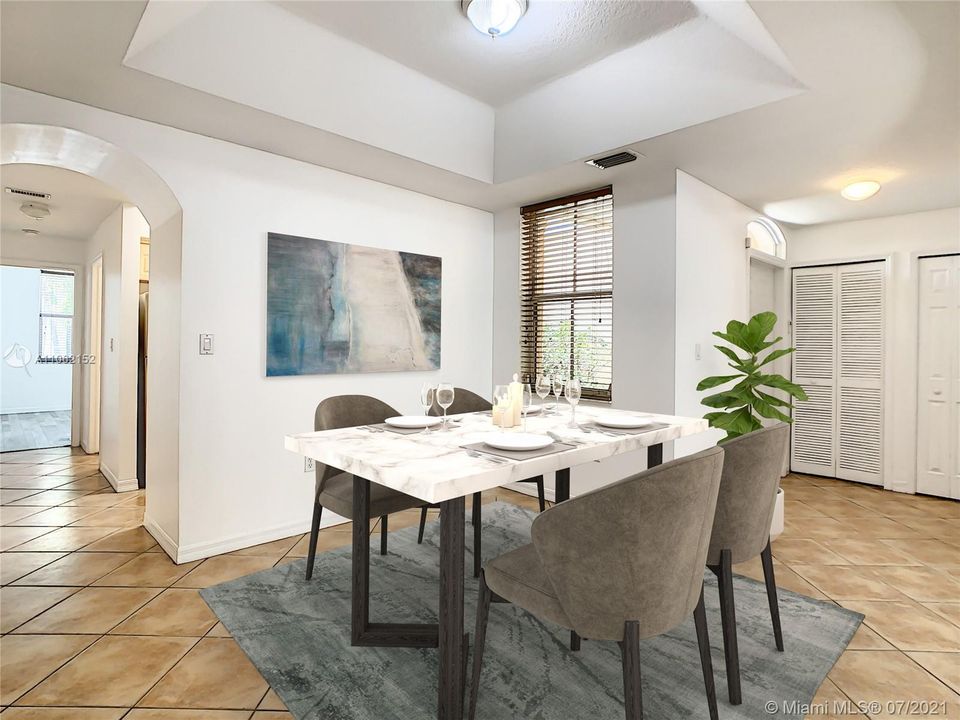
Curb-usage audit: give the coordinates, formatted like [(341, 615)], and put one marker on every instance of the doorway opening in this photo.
[(37, 326)]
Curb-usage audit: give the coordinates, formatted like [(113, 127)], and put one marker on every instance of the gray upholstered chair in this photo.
[(465, 401), (623, 563), (334, 489), (741, 529)]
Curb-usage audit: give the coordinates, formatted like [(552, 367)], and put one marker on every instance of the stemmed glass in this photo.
[(572, 393), (558, 381), (527, 400), (444, 399), (426, 401), (501, 398), (543, 389)]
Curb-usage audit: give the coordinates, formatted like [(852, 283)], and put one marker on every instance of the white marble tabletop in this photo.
[(434, 467)]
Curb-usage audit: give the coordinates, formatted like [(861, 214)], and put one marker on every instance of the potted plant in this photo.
[(743, 405)]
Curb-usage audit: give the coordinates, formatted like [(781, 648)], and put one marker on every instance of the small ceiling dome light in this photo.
[(494, 17), (38, 211), (861, 190)]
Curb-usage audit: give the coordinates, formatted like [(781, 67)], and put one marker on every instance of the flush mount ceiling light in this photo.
[(37, 211), (861, 190), (494, 17)]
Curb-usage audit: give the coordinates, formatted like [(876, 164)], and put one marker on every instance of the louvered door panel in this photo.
[(814, 369), (860, 372)]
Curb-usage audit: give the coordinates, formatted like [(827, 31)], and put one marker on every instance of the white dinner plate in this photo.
[(413, 421), (624, 421), (517, 441), (534, 409)]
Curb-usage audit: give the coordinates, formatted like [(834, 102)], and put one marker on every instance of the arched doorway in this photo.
[(89, 155)]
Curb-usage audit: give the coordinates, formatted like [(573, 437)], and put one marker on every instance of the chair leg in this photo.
[(314, 534), (706, 663), (766, 560), (477, 525), (728, 616), (630, 650), (541, 496), (383, 534), (480, 638), (423, 524)]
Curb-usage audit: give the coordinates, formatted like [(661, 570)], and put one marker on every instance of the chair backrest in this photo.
[(464, 401), (748, 493), (633, 550), (342, 411)]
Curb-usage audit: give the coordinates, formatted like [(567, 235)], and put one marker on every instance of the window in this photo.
[(566, 287), (56, 316), (765, 235)]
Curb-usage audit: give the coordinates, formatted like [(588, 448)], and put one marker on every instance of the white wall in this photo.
[(237, 485), (644, 217), (40, 387), (899, 240), (712, 289)]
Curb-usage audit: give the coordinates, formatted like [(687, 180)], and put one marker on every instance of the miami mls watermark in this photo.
[(19, 355)]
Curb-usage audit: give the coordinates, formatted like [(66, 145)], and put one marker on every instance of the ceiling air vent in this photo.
[(610, 161), (28, 193)]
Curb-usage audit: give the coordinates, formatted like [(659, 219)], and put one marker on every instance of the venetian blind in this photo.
[(566, 288), (56, 316)]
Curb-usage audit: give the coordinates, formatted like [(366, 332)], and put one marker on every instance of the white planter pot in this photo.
[(776, 525)]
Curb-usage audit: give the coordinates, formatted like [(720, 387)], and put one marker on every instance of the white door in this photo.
[(860, 372), (838, 318), (938, 391), (814, 369)]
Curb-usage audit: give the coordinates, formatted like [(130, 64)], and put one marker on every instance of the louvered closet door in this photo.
[(814, 368), (860, 372)]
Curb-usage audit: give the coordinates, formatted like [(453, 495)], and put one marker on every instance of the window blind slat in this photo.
[(566, 282)]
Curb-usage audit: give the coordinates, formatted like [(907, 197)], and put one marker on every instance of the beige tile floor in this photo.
[(98, 624)]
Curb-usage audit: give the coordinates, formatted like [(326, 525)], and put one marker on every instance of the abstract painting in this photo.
[(338, 308)]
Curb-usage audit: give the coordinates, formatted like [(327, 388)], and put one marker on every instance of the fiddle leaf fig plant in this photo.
[(748, 400)]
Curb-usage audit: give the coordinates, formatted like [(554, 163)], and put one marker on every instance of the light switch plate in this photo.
[(206, 344)]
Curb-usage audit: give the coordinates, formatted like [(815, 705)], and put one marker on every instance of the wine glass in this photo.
[(572, 393), (426, 401), (526, 401), (558, 382), (444, 399), (501, 400), (543, 389)]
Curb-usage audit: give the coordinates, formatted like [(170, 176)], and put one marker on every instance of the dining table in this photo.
[(436, 467)]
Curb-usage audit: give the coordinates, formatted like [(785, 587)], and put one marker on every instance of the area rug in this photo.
[(297, 633)]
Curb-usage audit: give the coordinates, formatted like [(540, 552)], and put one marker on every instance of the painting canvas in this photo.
[(338, 308)]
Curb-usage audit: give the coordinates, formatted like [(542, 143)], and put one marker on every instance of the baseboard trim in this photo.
[(197, 551), (168, 544), (118, 485)]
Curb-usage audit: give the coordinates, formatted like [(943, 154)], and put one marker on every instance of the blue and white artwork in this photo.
[(338, 308)]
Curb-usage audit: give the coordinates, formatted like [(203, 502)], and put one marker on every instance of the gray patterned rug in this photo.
[(297, 634)]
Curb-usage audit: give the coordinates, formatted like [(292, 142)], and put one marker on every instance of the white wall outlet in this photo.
[(308, 464), (696, 351)]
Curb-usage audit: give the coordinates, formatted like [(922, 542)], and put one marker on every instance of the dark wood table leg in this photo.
[(561, 493), (654, 455), (362, 631), (451, 681), (360, 584)]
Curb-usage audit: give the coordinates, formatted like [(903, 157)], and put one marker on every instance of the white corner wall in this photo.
[(237, 485), (644, 218), (712, 289), (900, 240)]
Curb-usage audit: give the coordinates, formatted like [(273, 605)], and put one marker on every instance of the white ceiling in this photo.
[(880, 97), (553, 38), (78, 203)]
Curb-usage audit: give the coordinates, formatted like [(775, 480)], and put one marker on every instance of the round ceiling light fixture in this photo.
[(861, 190), (37, 211), (494, 17)]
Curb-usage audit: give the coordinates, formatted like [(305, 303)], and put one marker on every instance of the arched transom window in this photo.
[(765, 236)]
